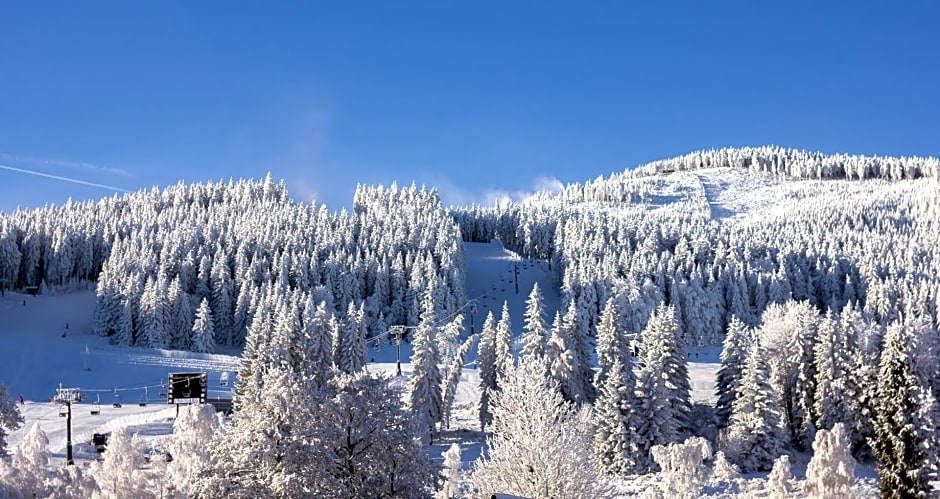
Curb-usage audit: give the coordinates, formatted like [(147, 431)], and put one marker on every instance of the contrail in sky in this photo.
[(65, 179)]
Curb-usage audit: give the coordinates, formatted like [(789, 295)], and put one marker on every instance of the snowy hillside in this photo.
[(760, 303)]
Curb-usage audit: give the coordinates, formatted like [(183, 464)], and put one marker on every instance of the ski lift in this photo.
[(223, 381), (162, 390), (96, 409), (143, 398), (116, 404)]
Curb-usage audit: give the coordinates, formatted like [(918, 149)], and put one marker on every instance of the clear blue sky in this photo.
[(473, 97)]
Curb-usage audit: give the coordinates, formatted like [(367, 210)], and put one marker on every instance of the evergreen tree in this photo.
[(352, 354), (10, 418), (504, 359), (31, 461), (898, 444), (535, 328), (612, 342), (733, 356), (613, 411), (424, 387), (755, 436), (486, 364), (577, 327), (832, 353), (562, 362), (203, 339)]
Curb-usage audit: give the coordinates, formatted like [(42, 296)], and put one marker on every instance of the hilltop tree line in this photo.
[(187, 267)]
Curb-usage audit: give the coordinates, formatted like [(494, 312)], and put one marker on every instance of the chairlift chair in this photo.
[(96, 409), (143, 398)]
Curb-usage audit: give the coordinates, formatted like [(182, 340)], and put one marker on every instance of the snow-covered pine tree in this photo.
[(540, 444), (425, 399), (902, 459), (830, 474), (755, 436), (562, 362), (121, 475), (577, 323), (663, 356), (352, 354), (504, 357), (486, 364), (833, 366), (221, 298), (801, 359), (10, 417), (203, 339), (612, 342), (268, 451), (180, 316), (535, 328), (255, 361), (193, 430), (31, 462), (734, 349), (613, 411)]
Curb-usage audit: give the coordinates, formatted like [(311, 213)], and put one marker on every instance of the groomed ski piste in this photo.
[(48, 343)]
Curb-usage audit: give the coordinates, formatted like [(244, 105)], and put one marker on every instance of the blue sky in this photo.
[(477, 98)]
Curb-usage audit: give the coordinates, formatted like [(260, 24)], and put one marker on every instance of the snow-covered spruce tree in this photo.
[(864, 340), (613, 411), (486, 363), (802, 362), (737, 342), (425, 399), (540, 445), (576, 324), (203, 339), (193, 430), (255, 360), (612, 342), (830, 474), (833, 365), (755, 436), (267, 450), (121, 476), (534, 328), (221, 298), (10, 418), (562, 363), (452, 376), (30, 462), (504, 357), (352, 350), (898, 443), (682, 465), (663, 387)]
